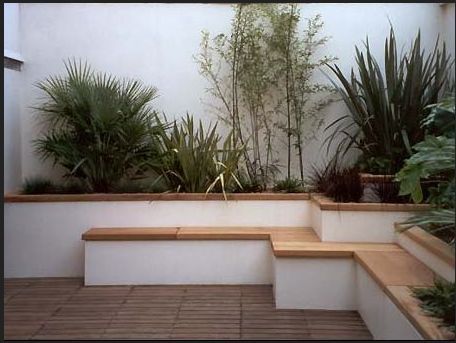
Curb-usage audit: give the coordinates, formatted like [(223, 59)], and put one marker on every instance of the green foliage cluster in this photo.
[(439, 301), (104, 133), (289, 186), (193, 162), (100, 129), (434, 157), (385, 108)]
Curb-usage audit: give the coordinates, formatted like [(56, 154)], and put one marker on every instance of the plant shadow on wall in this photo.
[(263, 77), (386, 107)]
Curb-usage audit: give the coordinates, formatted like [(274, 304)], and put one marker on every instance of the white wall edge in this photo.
[(13, 55)]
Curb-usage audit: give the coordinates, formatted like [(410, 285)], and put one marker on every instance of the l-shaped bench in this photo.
[(372, 278)]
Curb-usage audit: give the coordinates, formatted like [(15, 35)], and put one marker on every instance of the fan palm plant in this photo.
[(100, 129), (386, 107)]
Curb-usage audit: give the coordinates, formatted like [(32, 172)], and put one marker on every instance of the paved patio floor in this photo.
[(62, 308)]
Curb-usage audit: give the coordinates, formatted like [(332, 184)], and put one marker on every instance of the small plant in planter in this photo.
[(100, 129), (439, 301), (343, 184), (289, 185), (38, 185), (192, 160)]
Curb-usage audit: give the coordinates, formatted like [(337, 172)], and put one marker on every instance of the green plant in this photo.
[(434, 158), (294, 63), (439, 301), (193, 162), (345, 185), (321, 176), (289, 186), (263, 73), (38, 185), (385, 108), (100, 129), (243, 88)]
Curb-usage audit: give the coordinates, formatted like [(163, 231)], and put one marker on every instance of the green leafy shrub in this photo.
[(38, 185), (100, 129), (289, 185), (439, 301), (386, 107), (434, 158), (193, 162)]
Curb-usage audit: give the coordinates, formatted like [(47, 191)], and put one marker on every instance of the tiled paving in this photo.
[(62, 308)]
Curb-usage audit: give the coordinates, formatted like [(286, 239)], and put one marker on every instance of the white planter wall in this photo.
[(356, 226), (383, 319), (178, 262), (44, 239), (439, 266)]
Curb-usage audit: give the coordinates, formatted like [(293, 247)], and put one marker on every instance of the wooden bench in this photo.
[(391, 267)]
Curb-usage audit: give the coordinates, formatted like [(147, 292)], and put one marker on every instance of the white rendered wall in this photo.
[(11, 106), (155, 43), (44, 239), (383, 319), (314, 283), (439, 266), (178, 262), (359, 226), (448, 26)]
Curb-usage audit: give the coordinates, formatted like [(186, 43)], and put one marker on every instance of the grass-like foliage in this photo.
[(194, 162), (321, 176), (385, 108), (99, 129), (345, 185), (439, 301), (289, 185)]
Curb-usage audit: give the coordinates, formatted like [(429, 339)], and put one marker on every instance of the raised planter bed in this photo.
[(35, 222), (358, 222), (433, 252)]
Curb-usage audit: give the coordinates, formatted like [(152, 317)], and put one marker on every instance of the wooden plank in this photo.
[(223, 233), (248, 233), (328, 204), (14, 197), (395, 268), (327, 249), (433, 244), (428, 327), (130, 234)]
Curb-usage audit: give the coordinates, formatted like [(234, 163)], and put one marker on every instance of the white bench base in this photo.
[(177, 262)]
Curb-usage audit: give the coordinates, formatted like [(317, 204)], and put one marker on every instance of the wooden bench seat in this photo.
[(279, 234), (129, 234), (327, 249), (390, 266)]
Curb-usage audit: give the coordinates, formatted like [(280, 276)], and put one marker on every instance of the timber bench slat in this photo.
[(395, 268), (328, 249), (129, 234)]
